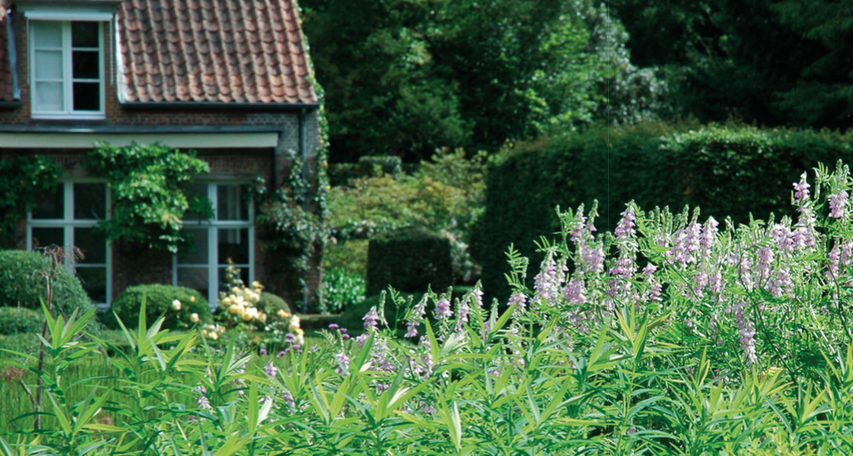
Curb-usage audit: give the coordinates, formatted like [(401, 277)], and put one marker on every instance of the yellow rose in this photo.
[(194, 318), (192, 298), (204, 332), (234, 310), (214, 335)]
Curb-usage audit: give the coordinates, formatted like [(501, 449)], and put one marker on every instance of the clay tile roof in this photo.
[(212, 51)]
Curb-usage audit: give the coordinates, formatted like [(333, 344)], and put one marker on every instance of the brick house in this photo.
[(227, 78)]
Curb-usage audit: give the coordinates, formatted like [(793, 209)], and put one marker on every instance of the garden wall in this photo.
[(725, 170)]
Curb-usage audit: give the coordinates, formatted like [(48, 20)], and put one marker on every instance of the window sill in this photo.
[(69, 116)]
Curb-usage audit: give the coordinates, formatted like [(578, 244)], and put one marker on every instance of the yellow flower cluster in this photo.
[(295, 328), (241, 302), (213, 331)]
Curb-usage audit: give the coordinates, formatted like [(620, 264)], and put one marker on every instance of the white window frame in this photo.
[(67, 76), (213, 225), (68, 223)]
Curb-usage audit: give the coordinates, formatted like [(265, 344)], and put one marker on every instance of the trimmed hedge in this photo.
[(341, 173), (158, 301), (726, 170), (410, 260), (272, 303), (18, 320), (23, 283)]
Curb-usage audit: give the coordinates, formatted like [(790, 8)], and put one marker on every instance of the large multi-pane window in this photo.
[(67, 69), (229, 234), (68, 217)]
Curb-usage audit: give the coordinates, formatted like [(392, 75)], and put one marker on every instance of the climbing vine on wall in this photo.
[(149, 200), (23, 181), (295, 214)]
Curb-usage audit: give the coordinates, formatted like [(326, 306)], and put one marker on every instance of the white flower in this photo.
[(194, 318), (176, 305)]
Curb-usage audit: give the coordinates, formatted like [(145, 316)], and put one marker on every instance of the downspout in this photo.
[(303, 149)]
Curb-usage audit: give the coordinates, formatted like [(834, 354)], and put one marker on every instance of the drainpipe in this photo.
[(303, 149)]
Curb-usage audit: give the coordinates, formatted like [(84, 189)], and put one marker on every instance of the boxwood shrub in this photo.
[(410, 260), (18, 320), (727, 170), (158, 301), (23, 283)]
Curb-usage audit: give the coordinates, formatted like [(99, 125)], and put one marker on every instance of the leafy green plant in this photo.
[(17, 320), (148, 185), (22, 181), (342, 289)]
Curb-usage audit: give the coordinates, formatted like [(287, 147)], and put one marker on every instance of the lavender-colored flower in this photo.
[(463, 315), (333, 326), (838, 204), (834, 258), (593, 258), (201, 400), (418, 312), (545, 283), (649, 269), (263, 352), (371, 319), (343, 363), (625, 227), (281, 353), (442, 309), (801, 190), (746, 332), (520, 300), (270, 369), (477, 293), (574, 292)]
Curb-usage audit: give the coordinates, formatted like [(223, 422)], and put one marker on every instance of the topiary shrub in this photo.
[(410, 260), (18, 320), (371, 165), (158, 301), (23, 283)]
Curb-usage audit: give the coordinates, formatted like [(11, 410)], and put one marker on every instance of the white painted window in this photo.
[(67, 69), (68, 218), (229, 234)]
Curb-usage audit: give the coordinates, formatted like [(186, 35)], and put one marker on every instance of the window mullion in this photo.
[(67, 67), (212, 245)]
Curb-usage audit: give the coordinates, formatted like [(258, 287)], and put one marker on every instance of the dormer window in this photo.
[(67, 69)]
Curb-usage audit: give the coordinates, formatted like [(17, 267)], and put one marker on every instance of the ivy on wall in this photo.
[(23, 181), (295, 215), (148, 186)]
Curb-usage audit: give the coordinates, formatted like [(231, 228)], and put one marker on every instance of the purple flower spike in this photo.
[(333, 326)]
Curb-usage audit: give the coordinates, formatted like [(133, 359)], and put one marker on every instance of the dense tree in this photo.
[(407, 76)]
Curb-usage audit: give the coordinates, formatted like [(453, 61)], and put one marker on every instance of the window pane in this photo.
[(84, 34), (45, 237), (52, 206), (244, 276), (49, 96), (231, 204), (87, 96), (195, 191), (90, 201), (94, 281), (199, 255), (48, 64), (92, 243), (194, 278), (47, 34), (234, 244), (85, 65)]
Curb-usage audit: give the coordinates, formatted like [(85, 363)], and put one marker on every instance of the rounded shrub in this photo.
[(410, 260), (271, 303), (159, 301), (23, 283), (18, 320)]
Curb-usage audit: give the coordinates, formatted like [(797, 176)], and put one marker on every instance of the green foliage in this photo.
[(342, 289), (407, 77), (408, 259), (726, 170), (348, 255), (23, 283), (149, 202), (444, 194), (22, 181), (159, 300), (16, 320), (367, 166), (271, 303)]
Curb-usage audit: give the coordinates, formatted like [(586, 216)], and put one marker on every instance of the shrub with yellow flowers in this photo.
[(258, 322)]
